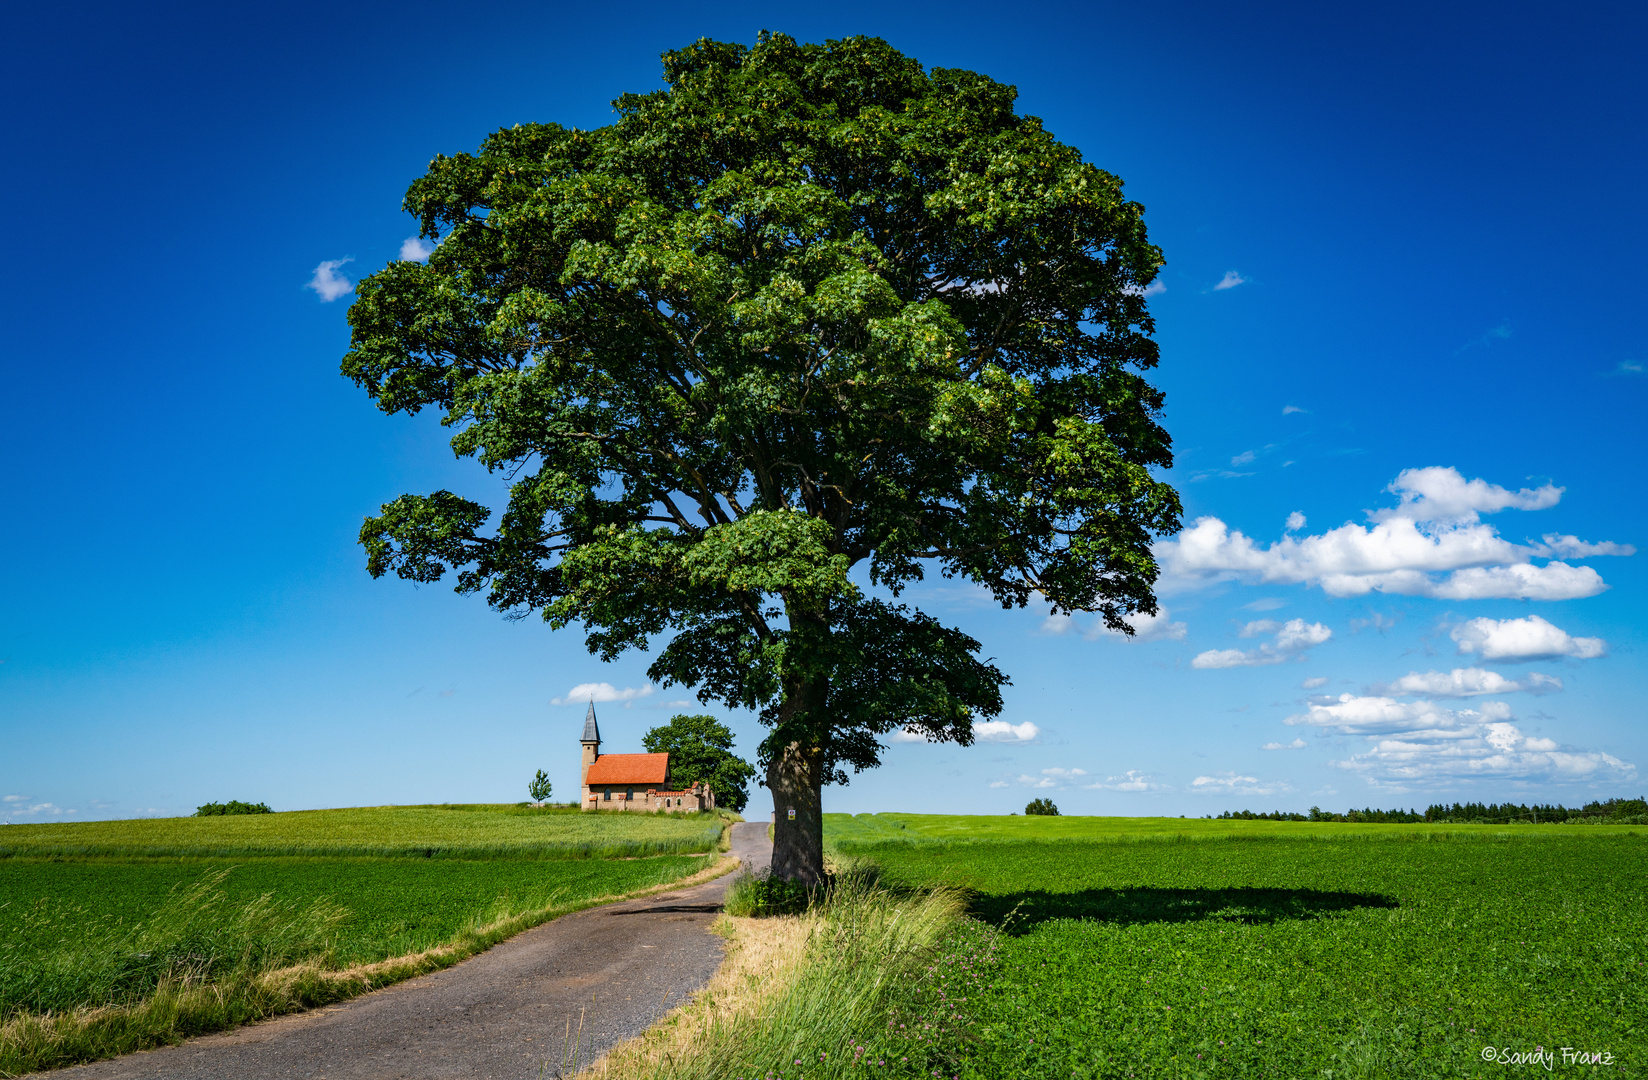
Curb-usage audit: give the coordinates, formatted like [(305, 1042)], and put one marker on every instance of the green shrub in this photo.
[(233, 806), (763, 896)]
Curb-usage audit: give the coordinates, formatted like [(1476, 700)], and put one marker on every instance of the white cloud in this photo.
[(1131, 780), (1245, 457), (1064, 774), (1230, 281), (1157, 627), (1531, 638), (1468, 682), (998, 783), (1000, 731), (1313, 682), (1296, 744), (1037, 781), (1155, 288), (1293, 638), (416, 249), (584, 693), (1433, 530), (1295, 521), (1288, 409), (906, 735), (1230, 783), (16, 808), (1629, 367), (328, 283), (1419, 742), (15, 798)]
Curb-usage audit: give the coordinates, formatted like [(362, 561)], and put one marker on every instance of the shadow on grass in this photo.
[(1018, 912)]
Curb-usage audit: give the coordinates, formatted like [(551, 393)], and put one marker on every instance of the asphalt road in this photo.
[(501, 1015)]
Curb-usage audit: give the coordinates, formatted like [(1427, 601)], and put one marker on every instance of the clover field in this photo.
[(1373, 953)]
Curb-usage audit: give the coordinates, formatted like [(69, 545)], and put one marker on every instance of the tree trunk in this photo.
[(794, 779)]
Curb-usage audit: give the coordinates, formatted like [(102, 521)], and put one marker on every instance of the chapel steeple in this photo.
[(592, 746), (592, 733)]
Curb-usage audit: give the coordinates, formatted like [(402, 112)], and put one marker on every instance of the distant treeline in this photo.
[(233, 806), (1613, 811)]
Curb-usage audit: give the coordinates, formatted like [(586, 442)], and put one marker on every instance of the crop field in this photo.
[(393, 906), (184, 925), (1273, 958), (848, 833), (427, 831)]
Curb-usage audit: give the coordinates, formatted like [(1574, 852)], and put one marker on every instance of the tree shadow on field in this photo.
[(1018, 912)]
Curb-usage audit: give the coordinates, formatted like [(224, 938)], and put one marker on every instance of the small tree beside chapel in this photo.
[(799, 328), (700, 750)]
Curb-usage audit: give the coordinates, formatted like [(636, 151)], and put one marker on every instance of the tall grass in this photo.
[(204, 963), (198, 936), (820, 993)]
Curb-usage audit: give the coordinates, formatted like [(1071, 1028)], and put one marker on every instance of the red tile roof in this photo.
[(629, 769)]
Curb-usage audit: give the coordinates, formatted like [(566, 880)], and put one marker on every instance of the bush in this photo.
[(233, 806), (1043, 807), (765, 896)]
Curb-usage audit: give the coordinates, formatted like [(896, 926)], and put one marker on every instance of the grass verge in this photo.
[(864, 976), (200, 965)]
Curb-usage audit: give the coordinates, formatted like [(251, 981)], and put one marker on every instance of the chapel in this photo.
[(633, 781)]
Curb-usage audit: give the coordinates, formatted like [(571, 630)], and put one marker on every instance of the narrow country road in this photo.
[(501, 1015)]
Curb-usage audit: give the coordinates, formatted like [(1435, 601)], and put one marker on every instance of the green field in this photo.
[(465, 832), (1374, 956), (181, 923), (849, 833)]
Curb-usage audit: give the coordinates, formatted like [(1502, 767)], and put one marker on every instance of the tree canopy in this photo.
[(700, 750), (803, 326)]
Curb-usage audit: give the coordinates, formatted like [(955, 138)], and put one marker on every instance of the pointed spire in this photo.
[(591, 732)]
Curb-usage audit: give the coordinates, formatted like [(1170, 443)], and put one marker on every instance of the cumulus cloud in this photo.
[(1131, 780), (998, 783), (1231, 783), (416, 249), (1292, 639), (1296, 744), (1295, 521), (1468, 682), (18, 806), (1157, 627), (1432, 543), (1420, 742), (1000, 731), (584, 693), (1230, 281), (1037, 781), (996, 731), (328, 283), (1531, 638)]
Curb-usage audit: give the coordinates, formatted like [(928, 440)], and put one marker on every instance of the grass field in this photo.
[(1270, 957), (465, 832), (119, 935), (850, 833)]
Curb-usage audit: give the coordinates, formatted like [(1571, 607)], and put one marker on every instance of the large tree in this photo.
[(799, 328)]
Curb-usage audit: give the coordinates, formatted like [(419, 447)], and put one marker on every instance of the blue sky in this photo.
[(1403, 331)]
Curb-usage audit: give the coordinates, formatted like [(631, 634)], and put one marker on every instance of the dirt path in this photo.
[(501, 1015)]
